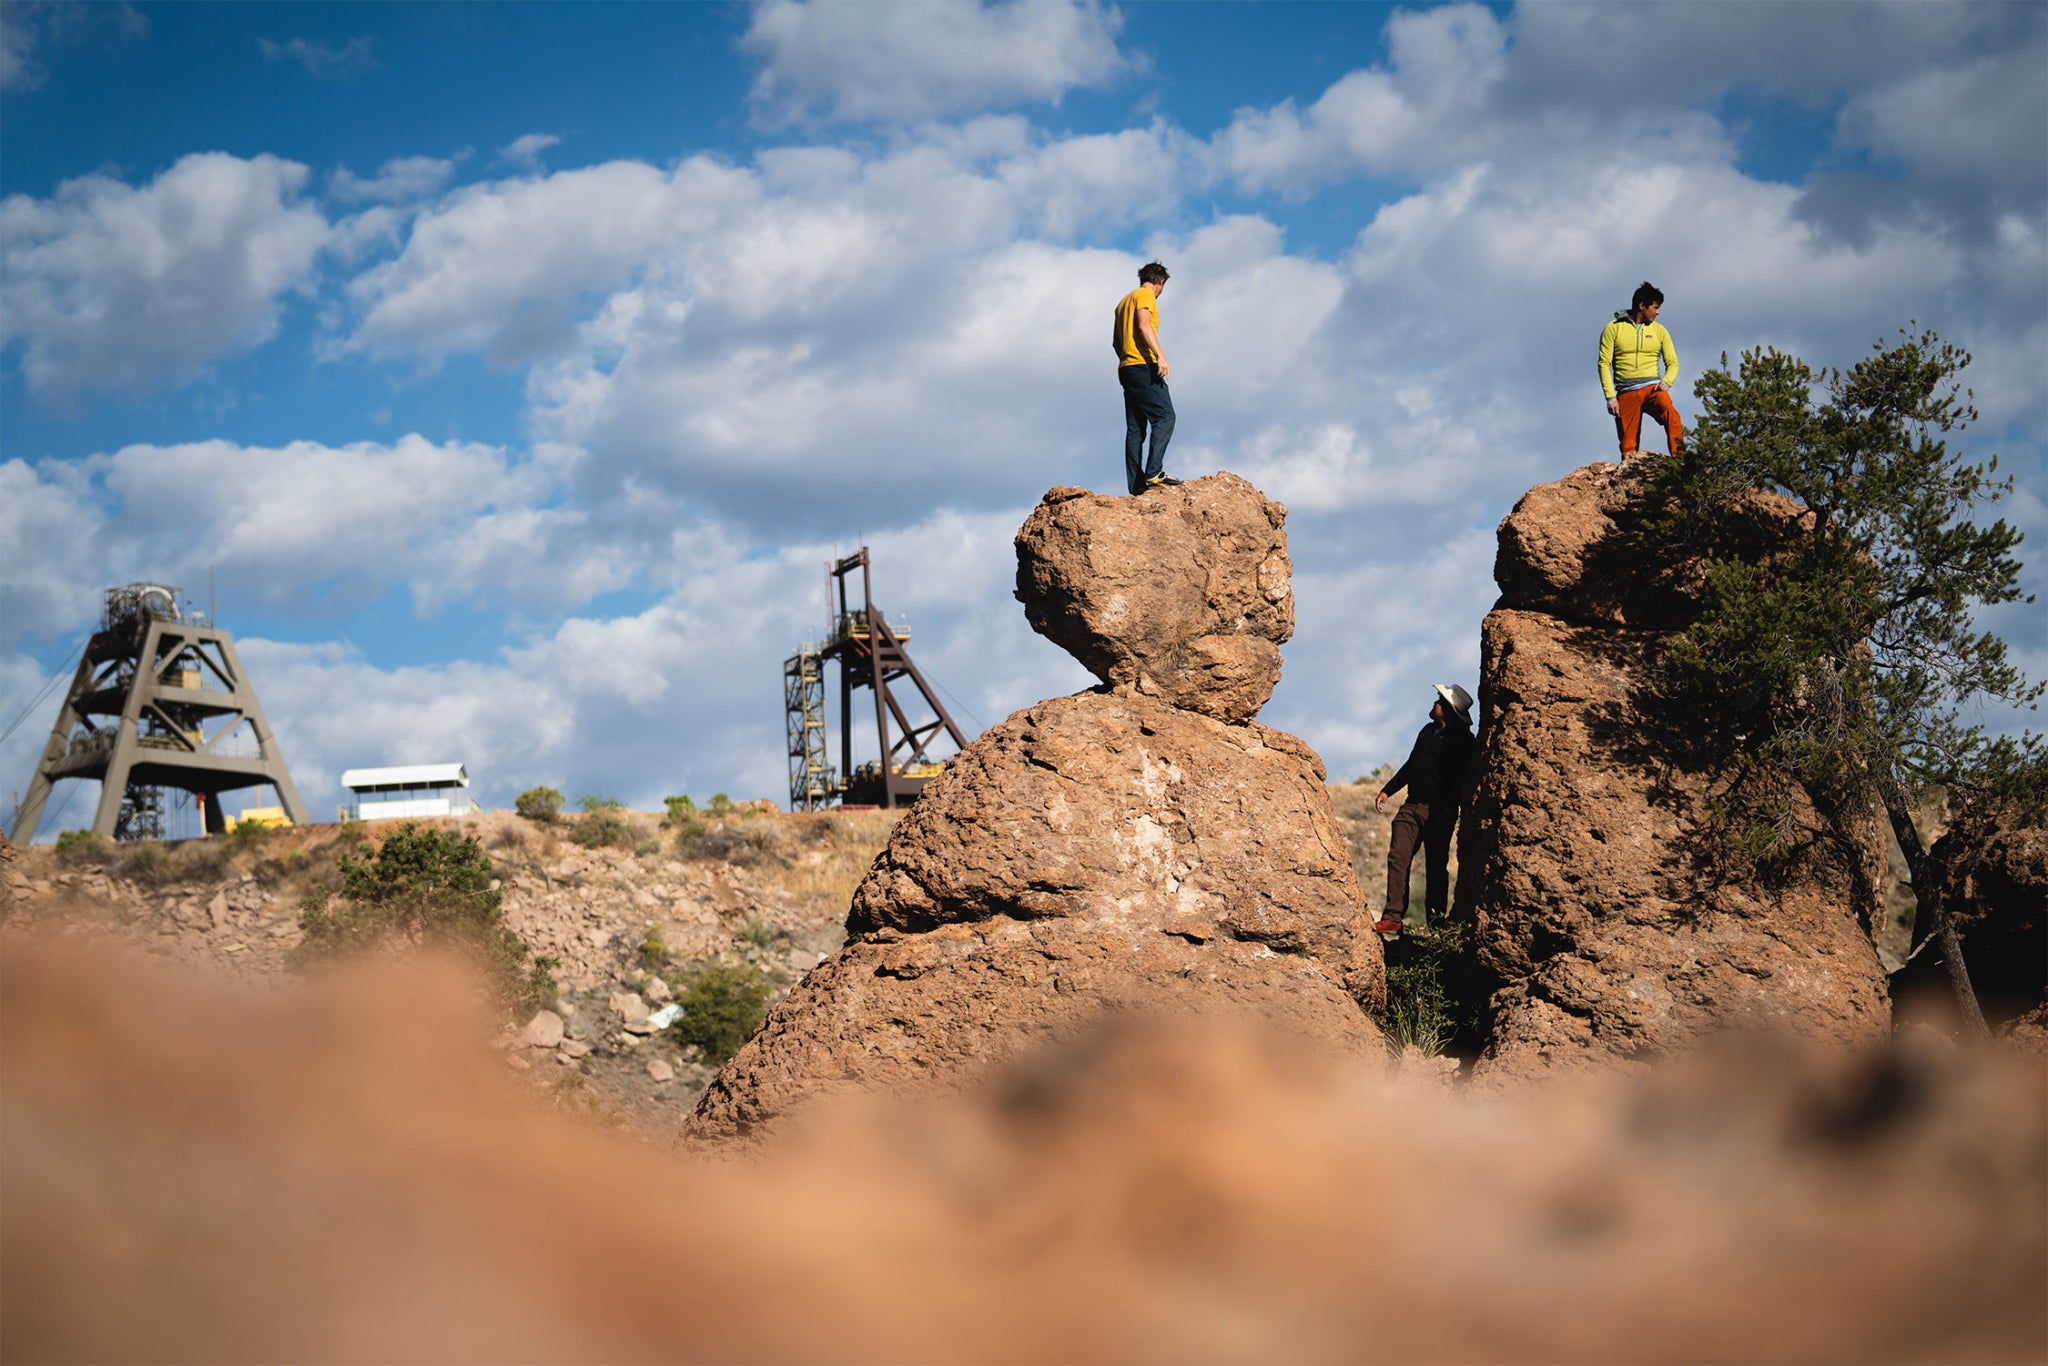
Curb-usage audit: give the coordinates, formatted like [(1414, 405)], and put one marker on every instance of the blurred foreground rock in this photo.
[(347, 1173)]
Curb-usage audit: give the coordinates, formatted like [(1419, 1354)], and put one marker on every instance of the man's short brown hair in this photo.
[(1152, 273)]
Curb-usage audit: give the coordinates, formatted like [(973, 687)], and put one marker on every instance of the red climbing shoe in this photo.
[(1389, 928)]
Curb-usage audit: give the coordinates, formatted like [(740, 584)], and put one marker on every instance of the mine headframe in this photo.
[(159, 700), (911, 723)]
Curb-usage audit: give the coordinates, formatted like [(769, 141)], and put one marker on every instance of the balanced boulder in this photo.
[(1181, 593), (1116, 851)]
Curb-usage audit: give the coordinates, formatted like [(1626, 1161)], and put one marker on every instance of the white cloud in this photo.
[(899, 62), (524, 152), (324, 61), (320, 530), (1443, 64), (398, 180), (105, 286), (1979, 123)]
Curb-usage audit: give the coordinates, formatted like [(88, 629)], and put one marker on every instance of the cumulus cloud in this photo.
[(398, 180), (324, 61), (26, 25), (320, 530), (524, 152), (1442, 66), (683, 696), (895, 62), (108, 286)]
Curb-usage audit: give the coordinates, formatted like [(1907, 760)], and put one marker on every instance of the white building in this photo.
[(409, 792)]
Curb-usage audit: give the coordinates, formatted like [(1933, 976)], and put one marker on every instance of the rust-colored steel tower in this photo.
[(177, 706), (871, 654)]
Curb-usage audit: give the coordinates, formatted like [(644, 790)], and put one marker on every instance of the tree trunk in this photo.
[(1928, 902)]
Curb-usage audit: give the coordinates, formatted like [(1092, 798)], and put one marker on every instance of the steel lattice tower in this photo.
[(871, 654), (177, 701)]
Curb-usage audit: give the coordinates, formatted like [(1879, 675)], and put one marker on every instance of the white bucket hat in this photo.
[(1460, 700)]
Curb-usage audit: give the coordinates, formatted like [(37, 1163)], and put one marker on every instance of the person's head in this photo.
[(1152, 275), (1646, 302), (1453, 704)]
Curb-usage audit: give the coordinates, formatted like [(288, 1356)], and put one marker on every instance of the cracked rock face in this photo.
[(1583, 855), (1181, 594), (1142, 848)]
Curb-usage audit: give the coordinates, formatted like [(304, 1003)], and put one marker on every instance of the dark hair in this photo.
[(1152, 273), (1646, 293)]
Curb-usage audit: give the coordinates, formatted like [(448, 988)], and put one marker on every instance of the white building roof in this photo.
[(405, 777)]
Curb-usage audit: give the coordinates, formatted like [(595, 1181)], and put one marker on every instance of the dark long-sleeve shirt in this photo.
[(1435, 771)]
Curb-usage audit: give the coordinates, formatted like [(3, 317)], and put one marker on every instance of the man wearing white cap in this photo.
[(1435, 778)]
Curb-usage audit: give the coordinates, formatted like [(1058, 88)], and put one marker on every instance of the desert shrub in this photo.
[(538, 804), (743, 844), (247, 837), (79, 847), (601, 826), (680, 809), (422, 888), (690, 835), (147, 863), (1433, 1001), (201, 860), (271, 872), (722, 1007), (653, 950), (721, 805), (757, 932), (590, 801), (508, 837)]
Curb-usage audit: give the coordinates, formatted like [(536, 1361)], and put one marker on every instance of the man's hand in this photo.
[(1379, 801), (1164, 368), (1614, 407)]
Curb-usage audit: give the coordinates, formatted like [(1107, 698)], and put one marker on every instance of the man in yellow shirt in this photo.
[(1632, 347), (1142, 369)]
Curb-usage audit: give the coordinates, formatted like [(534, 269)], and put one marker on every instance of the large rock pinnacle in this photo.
[(1142, 847), (1180, 593), (1601, 895)]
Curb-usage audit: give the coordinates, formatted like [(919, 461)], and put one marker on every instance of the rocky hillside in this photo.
[(767, 890), (629, 921)]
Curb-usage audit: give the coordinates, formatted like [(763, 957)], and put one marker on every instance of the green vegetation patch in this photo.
[(722, 1007), (424, 888)]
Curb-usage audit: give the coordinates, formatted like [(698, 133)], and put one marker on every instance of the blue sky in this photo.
[(515, 368)]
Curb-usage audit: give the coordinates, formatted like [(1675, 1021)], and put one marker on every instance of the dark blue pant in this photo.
[(1146, 402)]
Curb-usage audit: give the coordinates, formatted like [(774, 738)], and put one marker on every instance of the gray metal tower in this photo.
[(177, 707)]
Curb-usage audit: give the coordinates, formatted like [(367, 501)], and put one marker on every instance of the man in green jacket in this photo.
[(1632, 348)]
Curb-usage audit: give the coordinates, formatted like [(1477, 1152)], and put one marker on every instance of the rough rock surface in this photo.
[(1181, 594), (1144, 847), (1093, 853), (1583, 864)]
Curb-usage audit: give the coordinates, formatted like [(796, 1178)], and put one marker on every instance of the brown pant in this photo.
[(1430, 826), (1628, 423)]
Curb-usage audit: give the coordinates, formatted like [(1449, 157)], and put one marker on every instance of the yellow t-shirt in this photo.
[(1130, 347)]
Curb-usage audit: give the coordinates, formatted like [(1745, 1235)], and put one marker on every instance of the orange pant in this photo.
[(1628, 423)]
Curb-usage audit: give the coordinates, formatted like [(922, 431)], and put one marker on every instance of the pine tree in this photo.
[(1851, 662)]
